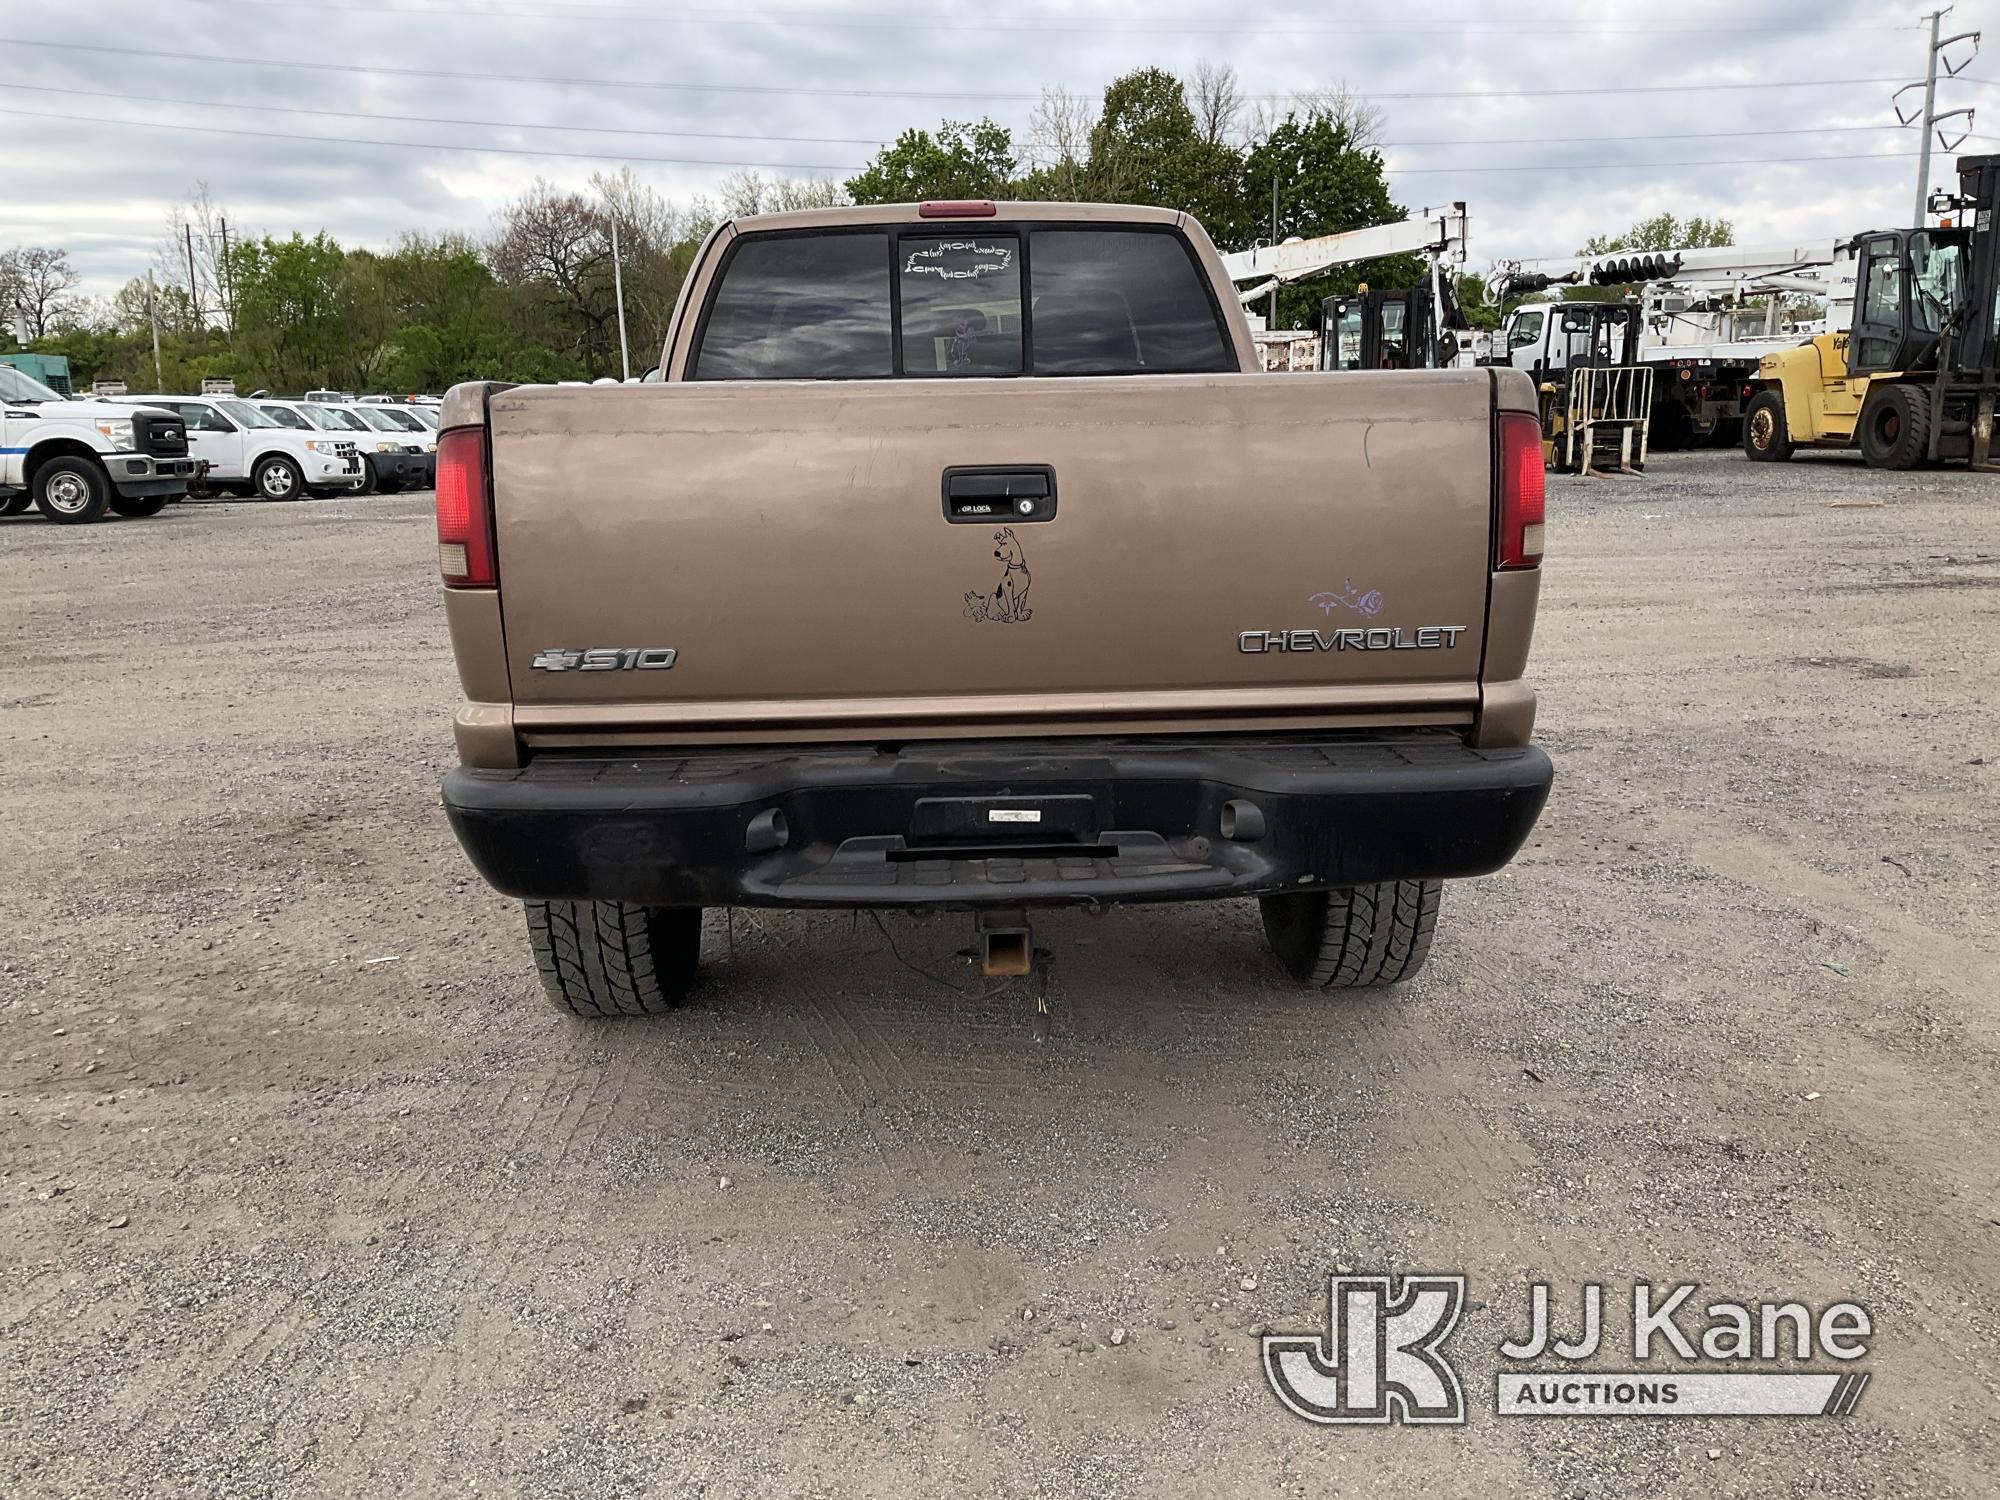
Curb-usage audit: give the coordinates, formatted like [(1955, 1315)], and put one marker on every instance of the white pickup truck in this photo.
[(73, 460), (245, 447)]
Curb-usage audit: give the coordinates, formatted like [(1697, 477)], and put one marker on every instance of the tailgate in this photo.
[(1225, 551)]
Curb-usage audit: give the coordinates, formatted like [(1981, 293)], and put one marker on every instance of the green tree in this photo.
[(1661, 232), (1665, 232), (1325, 185), (291, 309), (449, 315), (1148, 147), (960, 161), (1472, 299)]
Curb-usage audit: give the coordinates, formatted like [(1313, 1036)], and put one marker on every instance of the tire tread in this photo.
[(612, 958), (1357, 938)]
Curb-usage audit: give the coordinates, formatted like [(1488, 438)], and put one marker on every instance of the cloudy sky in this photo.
[(1481, 102)]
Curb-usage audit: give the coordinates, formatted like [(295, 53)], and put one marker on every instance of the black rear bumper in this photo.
[(997, 823)]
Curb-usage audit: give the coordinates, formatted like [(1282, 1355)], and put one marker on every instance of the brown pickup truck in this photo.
[(963, 558)]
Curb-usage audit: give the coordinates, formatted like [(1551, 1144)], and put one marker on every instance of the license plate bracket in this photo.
[(1041, 818)]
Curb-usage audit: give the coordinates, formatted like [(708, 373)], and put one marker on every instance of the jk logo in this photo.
[(1379, 1359)]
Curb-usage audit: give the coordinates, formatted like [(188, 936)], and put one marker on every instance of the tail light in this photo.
[(1523, 492), (464, 510), (957, 208)]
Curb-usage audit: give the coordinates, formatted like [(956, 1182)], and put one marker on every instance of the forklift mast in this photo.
[(1974, 207)]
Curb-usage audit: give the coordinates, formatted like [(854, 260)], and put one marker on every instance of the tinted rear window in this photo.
[(1117, 301), (800, 307), (960, 297), (1097, 302)]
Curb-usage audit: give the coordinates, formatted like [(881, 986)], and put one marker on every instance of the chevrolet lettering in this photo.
[(1381, 638)]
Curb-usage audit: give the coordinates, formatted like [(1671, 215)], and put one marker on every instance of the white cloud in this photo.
[(102, 189)]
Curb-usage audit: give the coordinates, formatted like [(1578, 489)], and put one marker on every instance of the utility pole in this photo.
[(1271, 306), (618, 290), (228, 288), (153, 312), (1927, 119), (194, 286)]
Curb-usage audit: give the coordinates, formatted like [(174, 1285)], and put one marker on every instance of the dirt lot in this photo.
[(305, 1190)]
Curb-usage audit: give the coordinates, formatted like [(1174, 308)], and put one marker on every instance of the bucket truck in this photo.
[(1696, 335)]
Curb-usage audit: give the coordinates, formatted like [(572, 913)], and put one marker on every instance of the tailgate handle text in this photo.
[(1026, 493)]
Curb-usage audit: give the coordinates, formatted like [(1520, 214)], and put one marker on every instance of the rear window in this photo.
[(960, 303), (964, 301), (801, 307), (1118, 301)]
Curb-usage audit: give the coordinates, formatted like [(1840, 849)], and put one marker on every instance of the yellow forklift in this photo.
[(1913, 379)]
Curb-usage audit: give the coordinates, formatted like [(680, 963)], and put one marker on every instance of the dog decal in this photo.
[(1008, 603)]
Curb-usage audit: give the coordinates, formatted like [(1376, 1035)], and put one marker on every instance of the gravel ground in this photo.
[(305, 1190)]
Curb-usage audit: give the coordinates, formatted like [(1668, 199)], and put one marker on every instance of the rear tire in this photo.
[(138, 505), (14, 505), (1350, 939), (611, 958), (1766, 437), (71, 491), (1896, 429)]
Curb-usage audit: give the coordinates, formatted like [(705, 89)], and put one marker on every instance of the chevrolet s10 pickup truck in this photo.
[(963, 558)]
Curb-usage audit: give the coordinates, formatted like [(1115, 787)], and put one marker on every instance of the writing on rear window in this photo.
[(959, 260), (960, 303), (1014, 300)]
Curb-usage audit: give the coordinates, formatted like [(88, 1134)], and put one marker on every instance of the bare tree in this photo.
[(1217, 97), (558, 245), (747, 192), (10, 289), (1059, 137), (36, 283), (196, 224), (1362, 119)]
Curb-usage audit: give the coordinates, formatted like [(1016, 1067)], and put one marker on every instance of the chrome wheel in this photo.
[(275, 482), (67, 494)]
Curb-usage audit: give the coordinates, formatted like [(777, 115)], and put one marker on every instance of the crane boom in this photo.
[(1439, 233), (1709, 265)]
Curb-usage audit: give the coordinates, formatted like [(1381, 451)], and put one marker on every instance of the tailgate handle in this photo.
[(1025, 493)]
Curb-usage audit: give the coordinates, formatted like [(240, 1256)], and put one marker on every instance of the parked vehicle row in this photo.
[(397, 450), (75, 459), (245, 450)]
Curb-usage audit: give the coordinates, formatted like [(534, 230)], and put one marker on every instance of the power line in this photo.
[(348, 114), (345, 140), (333, 140), (1679, 135), (1025, 148), (156, 57), (1645, 166), (882, 21)]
